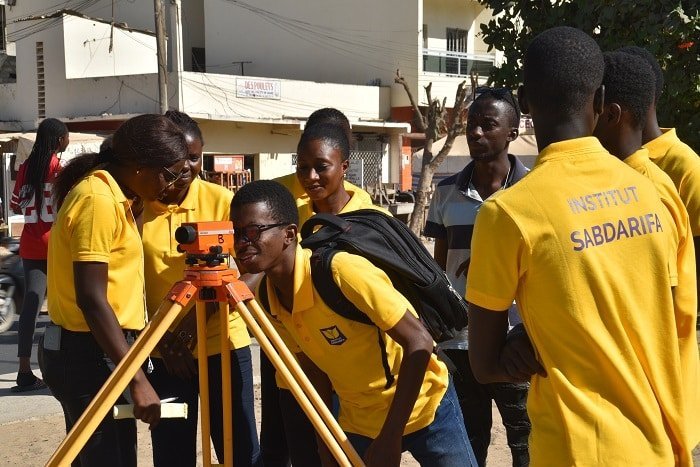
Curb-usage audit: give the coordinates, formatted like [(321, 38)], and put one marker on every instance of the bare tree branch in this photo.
[(418, 115), (436, 123)]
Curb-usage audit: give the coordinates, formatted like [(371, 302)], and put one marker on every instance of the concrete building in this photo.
[(250, 73)]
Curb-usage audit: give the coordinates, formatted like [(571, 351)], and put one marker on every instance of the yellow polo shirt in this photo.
[(682, 164), (164, 265), (581, 244), (357, 201), (347, 351), (684, 295), (95, 224), (291, 183), (305, 208)]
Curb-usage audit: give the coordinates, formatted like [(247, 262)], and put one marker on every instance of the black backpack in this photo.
[(391, 246)]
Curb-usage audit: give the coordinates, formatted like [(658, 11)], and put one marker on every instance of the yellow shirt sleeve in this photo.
[(369, 289), (690, 192), (498, 259), (93, 228)]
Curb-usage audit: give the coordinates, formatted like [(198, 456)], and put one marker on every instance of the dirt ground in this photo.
[(30, 443)]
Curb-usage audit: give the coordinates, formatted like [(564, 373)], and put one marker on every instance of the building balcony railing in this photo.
[(457, 63)]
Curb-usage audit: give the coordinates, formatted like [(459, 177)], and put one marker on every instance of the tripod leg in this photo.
[(180, 295), (203, 366), (298, 374), (319, 415), (226, 392)]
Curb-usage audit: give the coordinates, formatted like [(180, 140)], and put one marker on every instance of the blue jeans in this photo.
[(175, 440), (443, 443), (475, 399)]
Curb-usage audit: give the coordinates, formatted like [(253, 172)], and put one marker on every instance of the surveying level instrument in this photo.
[(209, 278)]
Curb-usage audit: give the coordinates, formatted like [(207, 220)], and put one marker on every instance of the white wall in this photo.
[(137, 14), (74, 97), (316, 40), (216, 95), (192, 29), (87, 50), (273, 165), (9, 104), (439, 15), (247, 138), (54, 75)]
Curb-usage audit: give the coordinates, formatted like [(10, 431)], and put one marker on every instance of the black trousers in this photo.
[(475, 400), (175, 440), (34, 293), (286, 434), (75, 373)]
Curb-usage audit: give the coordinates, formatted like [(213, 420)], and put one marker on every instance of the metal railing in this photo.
[(457, 63)]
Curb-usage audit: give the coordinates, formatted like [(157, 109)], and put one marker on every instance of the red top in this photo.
[(34, 242)]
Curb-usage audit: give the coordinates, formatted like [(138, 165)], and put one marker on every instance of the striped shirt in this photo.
[(453, 209)]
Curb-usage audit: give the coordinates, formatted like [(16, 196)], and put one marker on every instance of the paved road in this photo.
[(14, 407), (8, 346)]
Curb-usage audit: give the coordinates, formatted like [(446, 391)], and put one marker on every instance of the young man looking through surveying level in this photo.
[(418, 411)]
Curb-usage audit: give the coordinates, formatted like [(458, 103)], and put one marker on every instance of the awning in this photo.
[(525, 145), (80, 143)]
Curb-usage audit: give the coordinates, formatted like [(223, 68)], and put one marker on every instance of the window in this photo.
[(199, 63), (2, 27), (425, 36), (457, 40), (40, 83)]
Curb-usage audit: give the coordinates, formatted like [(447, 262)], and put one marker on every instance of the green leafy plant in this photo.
[(669, 29)]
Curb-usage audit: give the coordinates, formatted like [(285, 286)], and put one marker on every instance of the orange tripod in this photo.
[(208, 278)]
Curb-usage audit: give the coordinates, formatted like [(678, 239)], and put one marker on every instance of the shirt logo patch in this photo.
[(333, 335)]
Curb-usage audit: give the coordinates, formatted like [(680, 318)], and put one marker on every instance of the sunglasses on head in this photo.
[(505, 94), (251, 233)]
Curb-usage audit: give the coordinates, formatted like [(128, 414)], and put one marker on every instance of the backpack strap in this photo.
[(333, 297), (334, 223), (322, 278)]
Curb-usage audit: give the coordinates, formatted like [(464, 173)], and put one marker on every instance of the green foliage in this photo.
[(669, 29)]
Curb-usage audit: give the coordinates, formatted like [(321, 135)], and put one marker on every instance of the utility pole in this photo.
[(242, 64), (176, 46), (162, 53)]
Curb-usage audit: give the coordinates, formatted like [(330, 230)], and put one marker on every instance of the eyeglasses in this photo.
[(251, 233), (171, 177)]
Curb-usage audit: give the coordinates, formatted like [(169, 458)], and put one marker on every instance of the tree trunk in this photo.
[(422, 198), (434, 123)]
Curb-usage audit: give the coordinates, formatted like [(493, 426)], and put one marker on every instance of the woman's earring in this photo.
[(138, 171)]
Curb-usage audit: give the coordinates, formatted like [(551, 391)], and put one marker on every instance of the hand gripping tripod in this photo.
[(208, 278)]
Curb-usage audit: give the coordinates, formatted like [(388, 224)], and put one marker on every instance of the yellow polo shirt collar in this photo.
[(303, 286), (659, 146), (637, 158), (188, 204), (113, 185), (570, 147)]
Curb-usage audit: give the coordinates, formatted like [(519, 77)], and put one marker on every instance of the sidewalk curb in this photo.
[(19, 407)]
